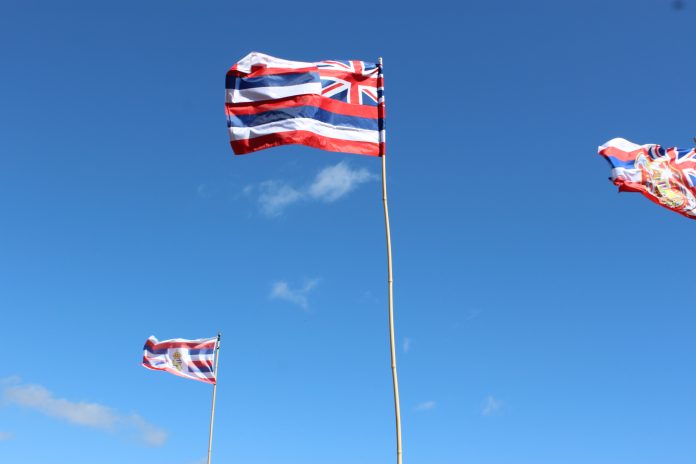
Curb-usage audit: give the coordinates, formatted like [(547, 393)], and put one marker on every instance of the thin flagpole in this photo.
[(212, 412), (390, 280)]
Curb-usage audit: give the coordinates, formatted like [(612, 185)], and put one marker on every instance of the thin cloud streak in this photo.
[(82, 413), (276, 196), (281, 290), (4, 436), (426, 406), (406, 345), (203, 191), (491, 406)]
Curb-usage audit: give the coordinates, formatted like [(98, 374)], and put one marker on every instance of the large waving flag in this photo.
[(192, 359), (330, 105), (666, 176)]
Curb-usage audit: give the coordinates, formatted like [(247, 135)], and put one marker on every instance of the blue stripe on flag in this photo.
[(335, 119), (205, 369), (273, 80), (150, 350), (201, 352), (617, 163)]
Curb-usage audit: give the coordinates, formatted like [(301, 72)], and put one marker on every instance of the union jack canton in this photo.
[(667, 176), (331, 105), (349, 81)]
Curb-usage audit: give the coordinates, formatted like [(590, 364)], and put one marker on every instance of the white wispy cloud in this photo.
[(82, 413), (329, 185), (5, 436), (425, 406), (204, 191), (491, 406), (337, 181), (282, 291), (471, 314), (275, 196), (406, 345)]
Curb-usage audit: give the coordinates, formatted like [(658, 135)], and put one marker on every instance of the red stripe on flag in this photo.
[(349, 75), (354, 89), (242, 147), (206, 364), (188, 345), (190, 376), (319, 101), (626, 186)]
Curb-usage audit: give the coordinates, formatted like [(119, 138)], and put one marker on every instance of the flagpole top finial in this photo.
[(379, 60)]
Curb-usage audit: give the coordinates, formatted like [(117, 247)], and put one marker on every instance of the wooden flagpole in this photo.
[(390, 281), (212, 412)]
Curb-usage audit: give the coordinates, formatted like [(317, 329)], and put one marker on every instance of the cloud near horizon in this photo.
[(82, 413), (330, 184), (282, 291)]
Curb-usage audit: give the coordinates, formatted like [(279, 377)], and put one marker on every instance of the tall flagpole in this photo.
[(390, 279), (212, 412)]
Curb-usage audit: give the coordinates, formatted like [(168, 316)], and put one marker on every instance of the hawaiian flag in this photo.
[(331, 105), (666, 176), (192, 359)]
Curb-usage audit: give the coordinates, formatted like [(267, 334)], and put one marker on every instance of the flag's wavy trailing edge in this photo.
[(330, 105), (192, 359), (667, 176)]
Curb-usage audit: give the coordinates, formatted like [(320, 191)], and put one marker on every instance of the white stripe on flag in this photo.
[(306, 124), (621, 144), (631, 175), (260, 59), (271, 93), (202, 357)]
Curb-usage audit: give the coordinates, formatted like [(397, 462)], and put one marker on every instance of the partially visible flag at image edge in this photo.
[(666, 176), (331, 105), (192, 359)]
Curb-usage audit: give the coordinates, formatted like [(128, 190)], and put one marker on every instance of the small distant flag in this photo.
[(666, 176), (331, 105), (193, 359)]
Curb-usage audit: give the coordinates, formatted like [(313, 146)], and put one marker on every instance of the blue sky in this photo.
[(536, 319)]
